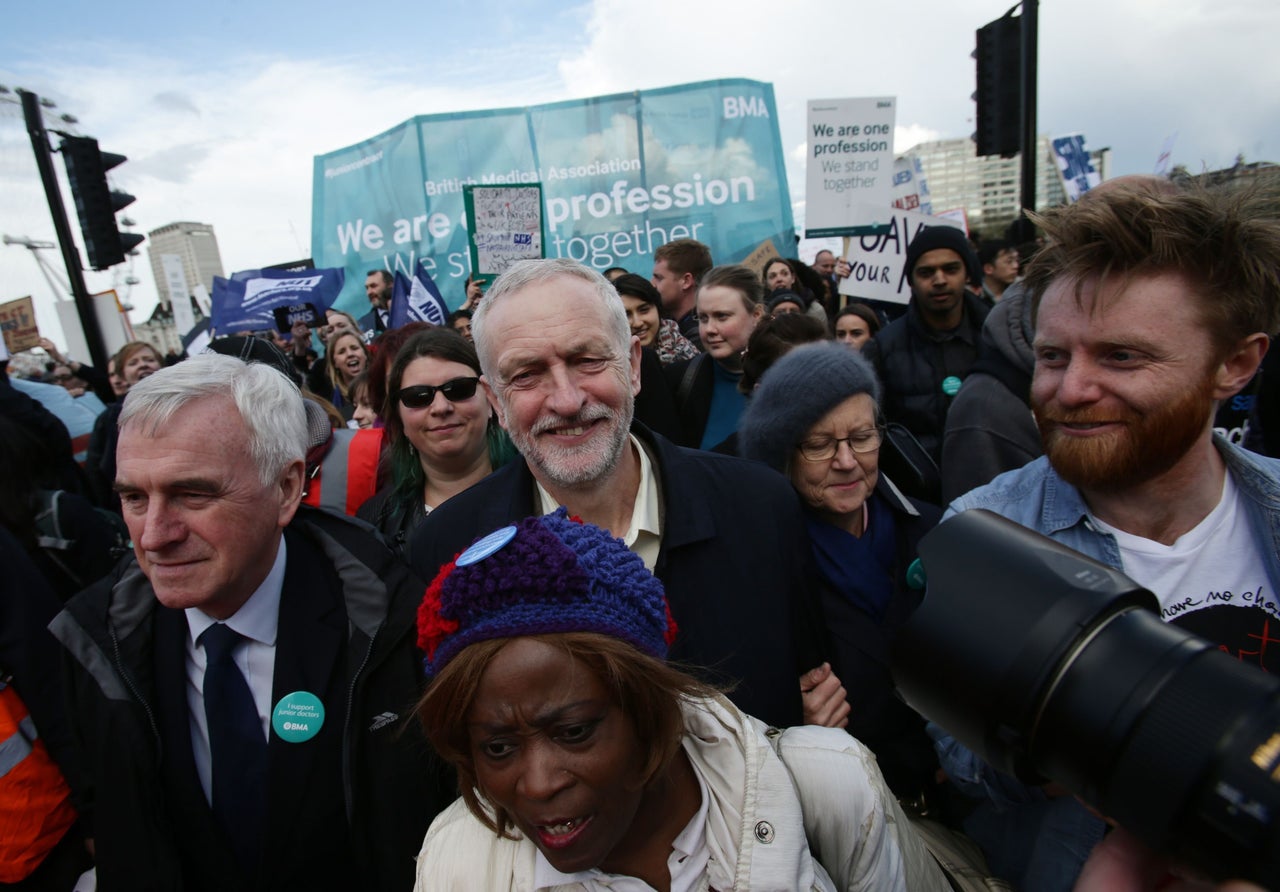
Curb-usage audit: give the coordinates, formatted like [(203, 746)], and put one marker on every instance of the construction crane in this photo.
[(57, 284)]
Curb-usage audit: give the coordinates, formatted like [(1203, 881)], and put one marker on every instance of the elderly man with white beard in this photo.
[(724, 535)]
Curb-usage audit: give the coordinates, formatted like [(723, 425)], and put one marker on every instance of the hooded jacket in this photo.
[(990, 428)]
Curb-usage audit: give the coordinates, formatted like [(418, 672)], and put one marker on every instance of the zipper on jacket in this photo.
[(133, 689), (348, 793)]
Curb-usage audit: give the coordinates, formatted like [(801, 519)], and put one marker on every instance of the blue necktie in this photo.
[(237, 748)]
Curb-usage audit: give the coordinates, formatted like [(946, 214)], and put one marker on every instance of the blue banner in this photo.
[(1074, 166), (246, 300), (416, 301), (620, 176)]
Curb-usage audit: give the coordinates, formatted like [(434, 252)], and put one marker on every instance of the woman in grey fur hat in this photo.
[(815, 418)]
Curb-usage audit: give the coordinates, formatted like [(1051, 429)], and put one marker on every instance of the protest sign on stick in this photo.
[(504, 225), (877, 258), (18, 322), (763, 253), (850, 162)]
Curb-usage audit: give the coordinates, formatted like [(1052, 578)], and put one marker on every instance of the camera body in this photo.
[(1050, 665)]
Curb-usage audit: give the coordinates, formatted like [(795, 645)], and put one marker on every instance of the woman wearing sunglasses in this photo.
[(441, 433)]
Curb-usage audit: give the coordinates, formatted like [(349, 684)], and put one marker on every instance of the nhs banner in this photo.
[(246, 300), (620, 176)]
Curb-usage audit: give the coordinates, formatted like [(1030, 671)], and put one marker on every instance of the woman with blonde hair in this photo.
[(345, 357)]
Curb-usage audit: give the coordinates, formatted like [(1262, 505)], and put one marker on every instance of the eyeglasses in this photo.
[(422, 395), (825, 448)]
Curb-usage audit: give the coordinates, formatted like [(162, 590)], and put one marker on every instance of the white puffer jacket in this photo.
[(824, 820)]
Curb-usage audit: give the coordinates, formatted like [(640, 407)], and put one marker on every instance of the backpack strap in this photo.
[(48, 524), (686, 380)]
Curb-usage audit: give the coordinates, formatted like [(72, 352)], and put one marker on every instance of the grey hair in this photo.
[(269, 404), (527, 273)]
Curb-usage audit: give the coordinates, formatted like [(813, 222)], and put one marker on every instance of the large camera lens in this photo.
[(1050, 665)]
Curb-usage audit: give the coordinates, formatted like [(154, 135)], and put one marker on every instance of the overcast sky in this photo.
[(222, 107)]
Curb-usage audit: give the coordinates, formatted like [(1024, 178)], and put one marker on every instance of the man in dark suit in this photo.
[(377, 287), (239, 688), (725, 536)]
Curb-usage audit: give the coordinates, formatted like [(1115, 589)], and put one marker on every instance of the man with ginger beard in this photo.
[(1151, 306)]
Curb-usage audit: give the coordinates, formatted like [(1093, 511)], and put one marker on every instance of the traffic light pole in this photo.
[(70, 256), (1029, 159)]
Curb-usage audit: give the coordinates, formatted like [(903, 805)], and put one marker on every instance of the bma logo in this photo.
[(745, 107)]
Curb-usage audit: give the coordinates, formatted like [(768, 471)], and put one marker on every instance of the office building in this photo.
[(988, 189), (196, 244)]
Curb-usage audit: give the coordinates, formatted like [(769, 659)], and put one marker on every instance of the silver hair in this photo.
[(526, 273), (269, 404)]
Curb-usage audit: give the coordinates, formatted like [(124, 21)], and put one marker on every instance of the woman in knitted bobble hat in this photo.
[(815, 418), (587, 762)]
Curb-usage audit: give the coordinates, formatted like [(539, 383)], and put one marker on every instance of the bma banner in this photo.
[(850, 162), (1074, 166), (620, 176)]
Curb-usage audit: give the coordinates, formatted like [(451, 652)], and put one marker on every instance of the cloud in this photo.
[(229, 138), (174, 101)]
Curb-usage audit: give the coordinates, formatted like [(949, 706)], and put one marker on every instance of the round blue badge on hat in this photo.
[(298, 717), (486, 546), (951, 385)]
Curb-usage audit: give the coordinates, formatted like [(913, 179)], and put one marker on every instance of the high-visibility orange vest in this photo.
[(35, 803), (348, 474)]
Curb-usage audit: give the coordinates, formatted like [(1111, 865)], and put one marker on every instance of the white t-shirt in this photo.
[(1212, 581)]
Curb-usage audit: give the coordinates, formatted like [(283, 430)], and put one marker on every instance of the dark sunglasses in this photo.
[(422, 395)]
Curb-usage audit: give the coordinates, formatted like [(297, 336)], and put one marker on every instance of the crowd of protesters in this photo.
[(231, 586)]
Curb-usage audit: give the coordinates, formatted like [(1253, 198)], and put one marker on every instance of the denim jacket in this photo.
[(1036, 497)]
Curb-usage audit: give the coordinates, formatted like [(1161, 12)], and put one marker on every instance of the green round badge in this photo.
[(298, 717), (915, 575), (951, 385)]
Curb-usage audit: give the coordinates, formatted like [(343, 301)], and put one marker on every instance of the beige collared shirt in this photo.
[(644, 536)]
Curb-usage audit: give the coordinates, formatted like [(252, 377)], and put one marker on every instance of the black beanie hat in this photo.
[(931, 238)]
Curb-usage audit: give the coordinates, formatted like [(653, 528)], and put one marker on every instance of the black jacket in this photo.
[(735, 561), (346, 809), (860, 655), (912, 361), (990, 428)]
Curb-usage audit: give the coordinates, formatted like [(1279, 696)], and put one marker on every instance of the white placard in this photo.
[(876, 261), (849, 161), (175, 279)]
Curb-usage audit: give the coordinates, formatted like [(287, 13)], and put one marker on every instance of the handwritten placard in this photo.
[(763, 253), (18, 322), (504, 226), (877, 256)]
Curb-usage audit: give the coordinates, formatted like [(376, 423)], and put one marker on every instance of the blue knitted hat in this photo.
[(542, 575), (796, 391)]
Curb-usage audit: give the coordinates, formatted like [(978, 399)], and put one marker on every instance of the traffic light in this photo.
[(96, 202), (999, 94)]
